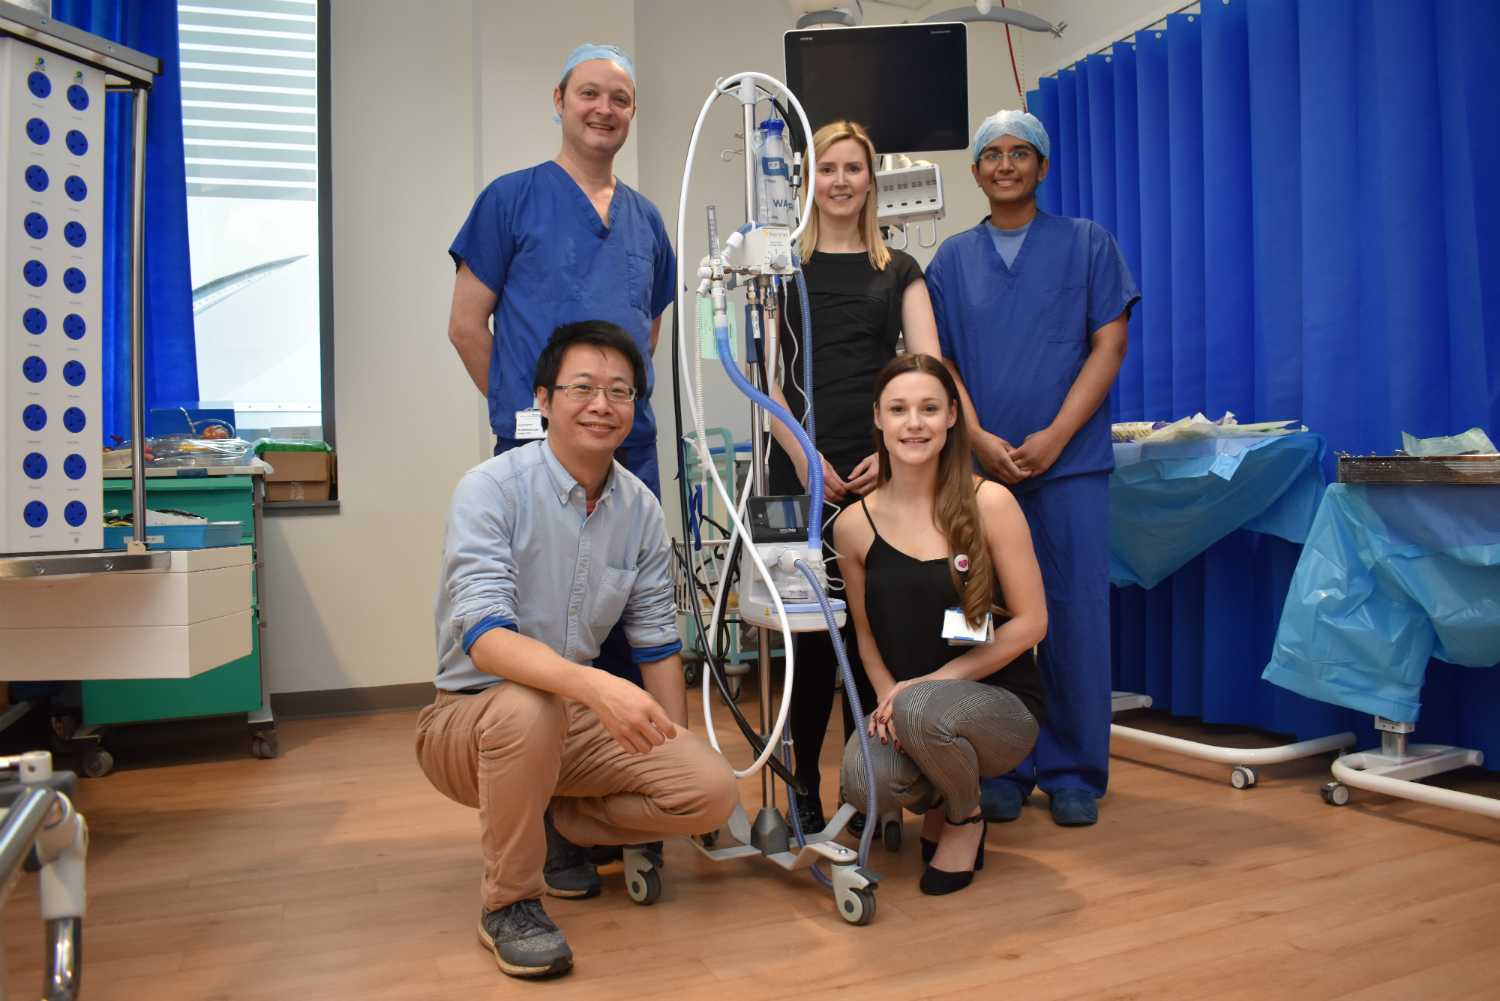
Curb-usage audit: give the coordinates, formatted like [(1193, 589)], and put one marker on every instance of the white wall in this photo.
[(432, 99)]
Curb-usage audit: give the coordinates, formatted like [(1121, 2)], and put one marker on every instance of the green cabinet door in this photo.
[(229, 688)]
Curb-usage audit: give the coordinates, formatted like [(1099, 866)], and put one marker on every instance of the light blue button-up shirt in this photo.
[(521, 552)]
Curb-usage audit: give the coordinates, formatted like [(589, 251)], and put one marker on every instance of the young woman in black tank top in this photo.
[(933, 538)]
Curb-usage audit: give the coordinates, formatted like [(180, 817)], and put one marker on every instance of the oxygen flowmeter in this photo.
[(778, 530)]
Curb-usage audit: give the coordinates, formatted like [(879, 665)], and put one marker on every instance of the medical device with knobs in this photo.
[(755, 257)]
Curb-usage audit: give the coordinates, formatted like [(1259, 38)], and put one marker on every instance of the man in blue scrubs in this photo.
[(1031, 311), (559, 243)]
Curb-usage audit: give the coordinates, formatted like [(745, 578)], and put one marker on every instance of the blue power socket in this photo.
[(75, 513), (35, 514), (74, 326), (36, 273), (35, 465), (34, 417), (34, 369), (75, 188), (39, 84), (74, 280), (75, 234), (74, 420), (34, 320), (77, 143), (35, 224), (78, 97), (74, 466), (36, 177), (74, 373), (37, 131)]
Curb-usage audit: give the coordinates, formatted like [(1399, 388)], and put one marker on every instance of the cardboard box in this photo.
[(301, 467), (297, 490)]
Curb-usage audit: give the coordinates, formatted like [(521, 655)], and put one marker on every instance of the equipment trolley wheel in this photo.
[(692, 672), (858, 907), (1243, 777), (736, 688), (708, 840), (644, 887), (265, 745), (97, 763), (891, 834), (1335, 793)]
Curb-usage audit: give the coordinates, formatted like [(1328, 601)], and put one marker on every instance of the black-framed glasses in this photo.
[(583, 392), (1019, 157)]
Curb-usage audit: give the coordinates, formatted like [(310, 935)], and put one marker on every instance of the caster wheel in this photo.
[(858, 907), (709, 840), (603, 854), (1243, 777), (1335, 793), (892, 836), (265, 747), (736, 688), (98, 763), (692, 672), (644, 887)]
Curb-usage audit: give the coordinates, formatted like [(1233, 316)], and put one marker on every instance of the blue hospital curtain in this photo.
[(1309, 195), (171, 364)]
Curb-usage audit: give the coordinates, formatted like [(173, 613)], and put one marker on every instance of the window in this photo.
[(251, 121)]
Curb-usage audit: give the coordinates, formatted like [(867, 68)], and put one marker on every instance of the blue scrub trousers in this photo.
[(614, 652), (1069, 519)]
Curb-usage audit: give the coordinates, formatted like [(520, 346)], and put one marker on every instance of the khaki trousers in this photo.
[(511, 750)]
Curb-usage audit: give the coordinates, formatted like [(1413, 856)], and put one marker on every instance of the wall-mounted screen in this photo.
[(907, 84)]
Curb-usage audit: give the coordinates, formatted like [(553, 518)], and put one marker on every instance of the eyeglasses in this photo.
[(583, 392), (1018, 157)]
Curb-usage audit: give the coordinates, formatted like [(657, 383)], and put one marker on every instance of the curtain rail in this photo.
[(1196, 7)]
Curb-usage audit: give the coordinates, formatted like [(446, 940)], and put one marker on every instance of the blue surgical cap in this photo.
[(588, 51), (1020, 124)]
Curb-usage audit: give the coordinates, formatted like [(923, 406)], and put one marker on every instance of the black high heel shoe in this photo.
[(936, 882)]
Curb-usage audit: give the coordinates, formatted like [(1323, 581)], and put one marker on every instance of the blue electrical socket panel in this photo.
[(75, 234), (34, 320), (74, 326), (74, 373), (37, 131), (74, 280), (74, 466), (35, 465), (76, 189), (36, 273), (35, 514), (74, 420), (39, 84), (75, 513), (35, 224), (34, 369), (36, 177), (34, 417), (78, 97), (78, 144)]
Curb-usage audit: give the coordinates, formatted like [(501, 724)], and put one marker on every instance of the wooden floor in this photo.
[(335, 871)]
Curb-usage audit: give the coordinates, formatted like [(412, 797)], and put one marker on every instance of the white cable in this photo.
[(713, 621)]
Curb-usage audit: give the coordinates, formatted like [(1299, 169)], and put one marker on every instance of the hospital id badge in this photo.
[(958, 632), (529, 424)]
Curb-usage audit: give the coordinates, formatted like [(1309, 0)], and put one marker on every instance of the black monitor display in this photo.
[(907, 84)]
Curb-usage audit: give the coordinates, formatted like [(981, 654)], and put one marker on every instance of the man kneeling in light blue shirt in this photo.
[(547, 546)]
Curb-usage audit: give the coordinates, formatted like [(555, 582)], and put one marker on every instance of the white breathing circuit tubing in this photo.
[(700, 445)]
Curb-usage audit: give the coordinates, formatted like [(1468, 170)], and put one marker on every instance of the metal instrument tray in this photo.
[(1476, 469)]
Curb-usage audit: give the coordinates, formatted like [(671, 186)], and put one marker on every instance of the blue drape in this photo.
[(171, 360), (1309, 194)]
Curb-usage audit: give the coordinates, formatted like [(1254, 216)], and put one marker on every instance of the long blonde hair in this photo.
[(868, 226), (955, 507)]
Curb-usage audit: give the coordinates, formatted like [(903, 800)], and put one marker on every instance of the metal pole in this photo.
[(138, 326)]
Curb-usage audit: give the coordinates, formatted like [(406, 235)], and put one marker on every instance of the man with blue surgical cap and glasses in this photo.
[(1031, 311)]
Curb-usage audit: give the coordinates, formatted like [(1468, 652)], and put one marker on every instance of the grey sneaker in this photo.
[(524, 940), (568, 871)]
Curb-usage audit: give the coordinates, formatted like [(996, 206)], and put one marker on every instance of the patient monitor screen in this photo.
[(907, 84)]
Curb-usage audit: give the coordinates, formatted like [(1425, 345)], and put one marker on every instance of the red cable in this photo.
[(1016, 72)]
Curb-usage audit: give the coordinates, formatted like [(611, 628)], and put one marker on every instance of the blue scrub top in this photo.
[(535, 240), (1020, 334)]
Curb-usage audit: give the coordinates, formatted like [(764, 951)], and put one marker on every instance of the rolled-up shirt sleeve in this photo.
[(651, 611), (479, 572)]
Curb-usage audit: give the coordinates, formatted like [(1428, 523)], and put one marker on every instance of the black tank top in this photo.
[(905, 600)]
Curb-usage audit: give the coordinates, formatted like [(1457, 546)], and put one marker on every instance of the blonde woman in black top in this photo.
[(864, 297), (931, 537)]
